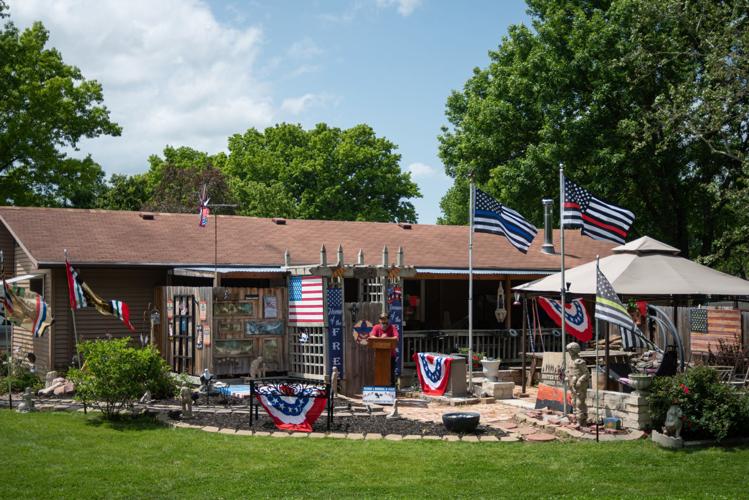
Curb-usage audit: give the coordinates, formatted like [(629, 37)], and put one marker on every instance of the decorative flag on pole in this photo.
[(490, 216), (634, 339), (77, 297), (26, 309), (203, 210), (292, 407), (433, 371), (115, 308), (306, 301), (598, 219), (576, 317), (608, 306)]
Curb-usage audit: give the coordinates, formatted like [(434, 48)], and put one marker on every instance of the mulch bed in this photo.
[(374, 424)]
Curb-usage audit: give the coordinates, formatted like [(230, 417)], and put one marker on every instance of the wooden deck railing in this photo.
[(502, 344)]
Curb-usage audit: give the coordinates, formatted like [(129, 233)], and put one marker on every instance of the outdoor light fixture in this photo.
[(517, 299)]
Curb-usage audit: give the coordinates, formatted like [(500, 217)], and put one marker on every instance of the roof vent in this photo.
[(279, 220), (404, 225), (147, 216)]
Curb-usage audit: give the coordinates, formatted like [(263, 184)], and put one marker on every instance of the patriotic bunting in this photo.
[(433, 372), (293, 407), (598, 219), (577, 322), (490, 216)]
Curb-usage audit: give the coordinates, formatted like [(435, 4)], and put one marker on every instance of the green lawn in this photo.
[(55, 455)]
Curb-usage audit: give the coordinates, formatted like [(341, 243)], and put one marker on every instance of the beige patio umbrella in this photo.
[(644, 268)]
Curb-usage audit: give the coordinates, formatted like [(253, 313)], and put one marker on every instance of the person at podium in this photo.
[(385, 329)]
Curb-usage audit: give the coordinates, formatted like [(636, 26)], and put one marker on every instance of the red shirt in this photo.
[(389, 331)]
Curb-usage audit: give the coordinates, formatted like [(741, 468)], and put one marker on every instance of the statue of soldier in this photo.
[(578, 378)]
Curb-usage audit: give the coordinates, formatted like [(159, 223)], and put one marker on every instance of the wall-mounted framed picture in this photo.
[(270, 307)]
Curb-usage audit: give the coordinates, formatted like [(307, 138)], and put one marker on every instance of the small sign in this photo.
[(203, 310), (206, 335), (381, 395)]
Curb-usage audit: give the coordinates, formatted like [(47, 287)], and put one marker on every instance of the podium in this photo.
[(382, 347)]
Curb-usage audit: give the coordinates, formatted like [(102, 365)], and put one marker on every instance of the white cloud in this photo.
[(405, 7), (171, 73), (305, 49), (422, 170), (297, 105)]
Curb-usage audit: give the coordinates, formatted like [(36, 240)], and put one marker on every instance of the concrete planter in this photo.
[(641, 382), (491, 369)]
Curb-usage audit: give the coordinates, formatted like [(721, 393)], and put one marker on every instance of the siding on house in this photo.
[(7, 245), (136, 287)]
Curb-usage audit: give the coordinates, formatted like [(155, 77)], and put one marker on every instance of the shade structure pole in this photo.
[(564, 287), (523, 345), (470, 284), (596, 370)]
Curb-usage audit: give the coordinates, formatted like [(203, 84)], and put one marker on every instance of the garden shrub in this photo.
[(711, 409), (20, 379), (114, 375)]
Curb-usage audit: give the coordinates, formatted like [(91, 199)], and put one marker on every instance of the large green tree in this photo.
[(645, 103), (322, 173), (45, 106)]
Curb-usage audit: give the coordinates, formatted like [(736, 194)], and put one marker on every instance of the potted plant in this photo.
[(477, 357)]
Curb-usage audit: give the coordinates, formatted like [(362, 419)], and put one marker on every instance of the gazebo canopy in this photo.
[(644, 268)]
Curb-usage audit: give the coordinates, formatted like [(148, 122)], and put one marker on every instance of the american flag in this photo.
[(490, 216), (306, 301), (598, 219)]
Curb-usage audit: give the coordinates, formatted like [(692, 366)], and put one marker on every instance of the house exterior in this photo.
[(136, 256)]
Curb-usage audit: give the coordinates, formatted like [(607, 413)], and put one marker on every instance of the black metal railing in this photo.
[(499, 344)]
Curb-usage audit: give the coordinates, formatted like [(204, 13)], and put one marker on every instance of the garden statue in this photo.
[(673, 424), (578, 377), (185, 399), (257, 368), (334, 383), (27, 405)]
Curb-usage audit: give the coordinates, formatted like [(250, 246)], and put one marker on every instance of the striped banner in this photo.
[(722, 324)]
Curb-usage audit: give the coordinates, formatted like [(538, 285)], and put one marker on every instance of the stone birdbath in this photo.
[(640, 382)]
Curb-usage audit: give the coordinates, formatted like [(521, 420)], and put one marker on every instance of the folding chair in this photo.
[(740, 381), (725, 373)]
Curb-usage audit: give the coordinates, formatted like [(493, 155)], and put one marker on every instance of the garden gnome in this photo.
[(28, 403), (185, 398), (256, 368), (578, 378), (672, 426)]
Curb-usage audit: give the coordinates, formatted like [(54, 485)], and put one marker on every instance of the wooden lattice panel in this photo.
[(307, 352)]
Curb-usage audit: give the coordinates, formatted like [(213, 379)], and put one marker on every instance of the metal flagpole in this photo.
[(597, 378), (72, 311), (7, 340), (564, 288), (470, 284)]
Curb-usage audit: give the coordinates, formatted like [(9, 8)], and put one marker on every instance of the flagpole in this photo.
[(471, 204), (564, 288), (597, 378), (72, 312), (7, 340)]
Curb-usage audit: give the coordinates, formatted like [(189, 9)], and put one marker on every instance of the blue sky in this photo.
[(193, 72)]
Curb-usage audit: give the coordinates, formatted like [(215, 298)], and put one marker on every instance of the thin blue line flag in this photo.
[(490, 216)]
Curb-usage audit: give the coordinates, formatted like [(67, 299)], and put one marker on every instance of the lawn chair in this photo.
[(725, 373), (739, 381)]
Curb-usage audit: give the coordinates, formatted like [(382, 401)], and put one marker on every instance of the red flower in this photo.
[(684, 388)]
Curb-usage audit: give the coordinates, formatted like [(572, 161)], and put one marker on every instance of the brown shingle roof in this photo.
[(111, 237)]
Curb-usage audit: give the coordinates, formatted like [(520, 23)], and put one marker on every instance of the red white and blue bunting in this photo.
[(577, 321), (433, 371), (294, 407)]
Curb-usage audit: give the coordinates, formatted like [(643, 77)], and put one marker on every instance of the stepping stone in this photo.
[(228, 431), (508, 426), (317, 435), (471, 438), (410, 437), (355, 436), (299, 434), (372, 436), (242, 432), (261, 433), (280, 434), (524, 431), (337, 435), (540, 437), (509, 439), (451, 437), (394, 437), (210, 428), (433, 438)]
